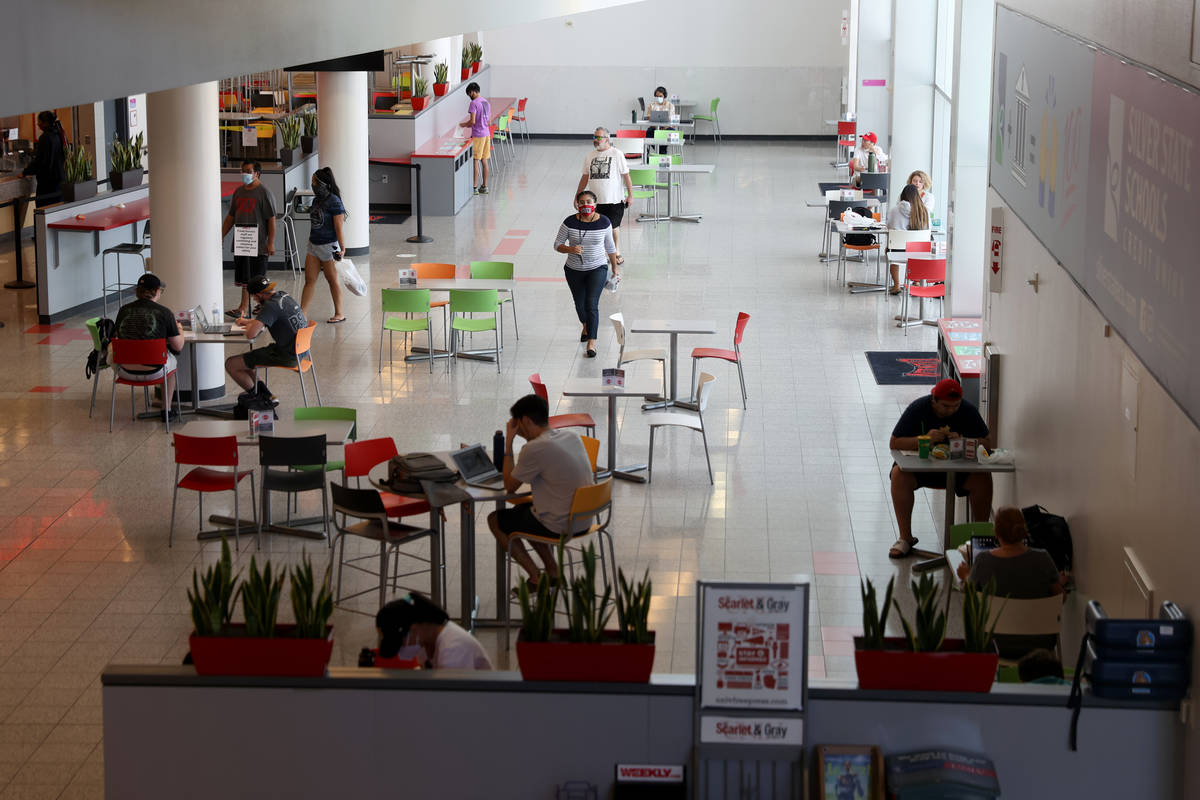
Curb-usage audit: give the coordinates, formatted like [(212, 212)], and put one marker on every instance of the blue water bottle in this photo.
[(498, 450)]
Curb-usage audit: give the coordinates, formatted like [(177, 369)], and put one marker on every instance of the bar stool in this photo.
[(123, 249), (291, 250)]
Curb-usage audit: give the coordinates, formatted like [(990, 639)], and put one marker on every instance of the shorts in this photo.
[(482, 146), (247, 267), (322, 252), (520, 519), (614, 211), (153, 375), (937, 480), (270, 356)]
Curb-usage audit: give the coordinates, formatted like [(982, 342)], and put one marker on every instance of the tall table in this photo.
[(634, 387), (911, 462), (674, 327), (691, 169), (460, 284), (193, 337), (335, 432)]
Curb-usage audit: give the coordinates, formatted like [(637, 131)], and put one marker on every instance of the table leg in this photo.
[(467, 525), (195, 379), (268, 526), (18, 219), (622, 473), (950, 497)]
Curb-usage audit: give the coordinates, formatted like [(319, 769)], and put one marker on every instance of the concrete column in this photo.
[(342, 119), (185, 215), (912, 92)]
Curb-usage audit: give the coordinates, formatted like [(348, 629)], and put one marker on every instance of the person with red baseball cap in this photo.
[(869, 143), (942, 415)]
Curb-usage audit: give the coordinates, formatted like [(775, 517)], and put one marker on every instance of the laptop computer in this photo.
[(660, 116), (208, 327), (476, 467)]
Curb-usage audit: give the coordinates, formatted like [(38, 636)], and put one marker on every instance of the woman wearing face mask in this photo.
[(659, 103), (50, 161), (907, 215), (325, 242), (586, 239), (415, 620), (924, 186)]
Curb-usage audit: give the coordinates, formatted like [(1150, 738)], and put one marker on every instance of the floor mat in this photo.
[(903, 367), (387, 219)]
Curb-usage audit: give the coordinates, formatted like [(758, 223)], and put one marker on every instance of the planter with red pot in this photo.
[(235, 653), (609, 661)]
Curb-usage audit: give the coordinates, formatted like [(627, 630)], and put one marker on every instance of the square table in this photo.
[(191, 338), (634, 387), (335, 431), (460, 284), (674, 327), (911, 462), (878, 229), (702, 169)]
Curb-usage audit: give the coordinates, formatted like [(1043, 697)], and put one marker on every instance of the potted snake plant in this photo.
[(308, 142), (466, 62), (289, 133), (259, 646), (476, 57), (420, 94), (80, 183), (586, 650), (924, 659), (441, 79), (125, 160)]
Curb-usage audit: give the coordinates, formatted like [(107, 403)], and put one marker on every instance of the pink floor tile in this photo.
[(517, 233), (49, 389), (839, 633), (816, 666), (66, 336), (838, 648), (835, 563), (508, 247), (44, 328)]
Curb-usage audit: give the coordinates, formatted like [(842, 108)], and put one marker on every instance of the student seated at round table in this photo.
[(416, 620), (1020, 571)]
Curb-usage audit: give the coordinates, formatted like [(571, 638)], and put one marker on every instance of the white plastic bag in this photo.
[(350, 277), (613, 282)]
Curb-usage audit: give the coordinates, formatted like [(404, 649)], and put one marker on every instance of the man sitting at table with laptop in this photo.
[(554, 463), (279, 314), (941, 415)]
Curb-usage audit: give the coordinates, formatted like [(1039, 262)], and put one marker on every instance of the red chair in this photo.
[(733, 356), (846, 139), (631, 133), (520, 117), (923, 277), (918, 247), (148, 352), (202, 452), (562, 420), (362, 457)]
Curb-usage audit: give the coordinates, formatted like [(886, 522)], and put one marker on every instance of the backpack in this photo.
[(98, 359), (1051, 533), (861, 239), (405, 472)]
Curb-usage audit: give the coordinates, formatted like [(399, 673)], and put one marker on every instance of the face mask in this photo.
[(659, 98), (247, 178), (320, 189), (587, 211)]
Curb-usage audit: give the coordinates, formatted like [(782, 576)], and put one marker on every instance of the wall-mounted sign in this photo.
[(844, 28), (768, 731), (753, 647), (996, 256)]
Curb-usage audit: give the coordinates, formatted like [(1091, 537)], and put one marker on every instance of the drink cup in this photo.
[(923, 445)]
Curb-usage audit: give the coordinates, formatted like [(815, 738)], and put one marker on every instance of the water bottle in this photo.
[(871, 162), (215, 317), (633, 116), (498, 450)]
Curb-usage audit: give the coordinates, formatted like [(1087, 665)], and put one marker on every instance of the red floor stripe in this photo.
[(44, 328), (48, 389), (508, 247), (517, 233)]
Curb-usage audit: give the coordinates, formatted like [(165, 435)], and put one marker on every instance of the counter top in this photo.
[(452, 144), (106, 219), (14, 185)]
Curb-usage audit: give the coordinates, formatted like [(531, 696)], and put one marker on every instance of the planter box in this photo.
[(289, 155), (466, 73), (125, 180), (440, 89), (308, 144), (78, 191), (418, 103), (281, 655), (475, 65), (948, 670), (606, 662)]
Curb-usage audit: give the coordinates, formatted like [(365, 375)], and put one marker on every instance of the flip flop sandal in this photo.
[(335, 320), (902, 548)]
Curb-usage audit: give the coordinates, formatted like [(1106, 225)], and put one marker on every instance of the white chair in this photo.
[(658, 354), (630, 147), (683, 419), (1038, 617), (899, 239)]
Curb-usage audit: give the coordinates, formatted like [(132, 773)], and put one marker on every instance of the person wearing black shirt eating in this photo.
[(942, 415)]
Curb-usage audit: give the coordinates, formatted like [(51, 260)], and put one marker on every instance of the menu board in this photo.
[(753, 646)]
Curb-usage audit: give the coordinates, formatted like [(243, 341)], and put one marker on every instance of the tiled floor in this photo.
[(86, 577)]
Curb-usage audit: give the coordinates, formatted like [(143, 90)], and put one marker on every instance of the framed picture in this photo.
[(852, 772)]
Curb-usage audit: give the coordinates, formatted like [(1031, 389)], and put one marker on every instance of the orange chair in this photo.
[(858, 248), (304, 361), (203, 452), (148, 352), (562, 420), (923, 277), (733, 356), (437, 271), (631, 133)]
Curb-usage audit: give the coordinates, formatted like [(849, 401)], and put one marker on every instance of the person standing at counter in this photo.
[(479, 120), (50, 161), (415, 620), (325, 242), (252, 206), (606, 176)]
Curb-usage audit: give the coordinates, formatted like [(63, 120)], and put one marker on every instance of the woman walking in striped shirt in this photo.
[(586, 238)]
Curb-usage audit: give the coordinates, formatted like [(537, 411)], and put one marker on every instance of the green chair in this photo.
[(961, 533), (336, 413), (407, 302), (646, 186), (498, 271), (101, 362), (711, 118), (474, 301), (500, 134)]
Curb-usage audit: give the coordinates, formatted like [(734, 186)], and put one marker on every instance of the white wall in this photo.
[(912, 91), (1060, 391), (873, 103), (775, 64)]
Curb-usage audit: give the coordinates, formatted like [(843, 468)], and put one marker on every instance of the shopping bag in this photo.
[(350, 277)]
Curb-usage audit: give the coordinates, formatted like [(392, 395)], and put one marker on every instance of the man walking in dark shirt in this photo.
[(279, 314)]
